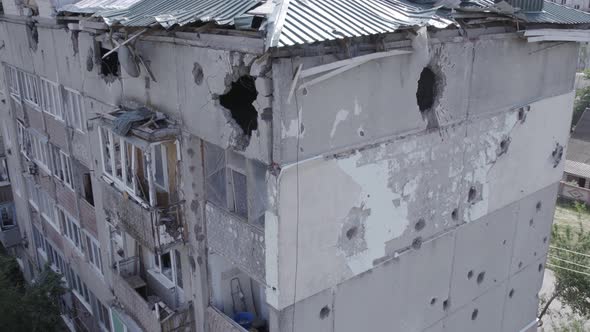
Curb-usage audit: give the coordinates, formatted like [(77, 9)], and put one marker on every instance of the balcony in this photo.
[(240, 242), (10, 236), (152, 227), (143, 300)]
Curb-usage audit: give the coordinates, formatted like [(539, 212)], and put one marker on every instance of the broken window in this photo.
[(109, 66), (235, 183), (132, 169), (581, 182), (239, 101), (426, 89), (168, 264)]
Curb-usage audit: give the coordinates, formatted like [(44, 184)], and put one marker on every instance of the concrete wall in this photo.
[(366, 179)]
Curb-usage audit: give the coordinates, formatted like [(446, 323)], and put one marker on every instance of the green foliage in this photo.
[(586, 73), (29, 307), (570, 323), (581, 103), (572, 285)]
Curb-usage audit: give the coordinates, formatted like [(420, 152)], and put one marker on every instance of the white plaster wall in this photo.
[(377, 99), (386, 189)]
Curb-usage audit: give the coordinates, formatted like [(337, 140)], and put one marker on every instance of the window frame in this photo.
[(74, 109), (71, 229), (108, 140), (51, 101), (93, 251)]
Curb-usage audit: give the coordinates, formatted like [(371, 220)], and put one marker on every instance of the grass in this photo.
[(568, 214)]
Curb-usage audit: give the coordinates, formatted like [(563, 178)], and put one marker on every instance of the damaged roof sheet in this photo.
[(309, 21), (93, 6), (145, 13)]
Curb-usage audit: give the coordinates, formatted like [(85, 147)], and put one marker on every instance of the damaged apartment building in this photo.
[(288, 166)]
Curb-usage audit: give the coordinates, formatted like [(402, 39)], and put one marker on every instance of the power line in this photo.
[(565, 268), (573, 252), (569, 262)]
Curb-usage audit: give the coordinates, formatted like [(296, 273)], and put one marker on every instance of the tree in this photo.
[(580, 104), (569, 258), (29, 307)]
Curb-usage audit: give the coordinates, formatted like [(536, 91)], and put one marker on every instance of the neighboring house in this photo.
[(576, 178), (576, 4), (301, 166)]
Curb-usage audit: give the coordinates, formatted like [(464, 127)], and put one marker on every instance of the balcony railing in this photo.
[(247, 249), (217, 321), (10, 236), (153, 228)]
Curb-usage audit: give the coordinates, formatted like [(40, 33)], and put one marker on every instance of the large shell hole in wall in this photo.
[(238, 100), (426, 95)]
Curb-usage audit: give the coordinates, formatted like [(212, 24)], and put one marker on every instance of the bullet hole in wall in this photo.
[(545, 239), (472, 194), (433, 301), (446, 304), (351, 232), (480, 277), (420, 225), (239, 101), (519, 265), (511, 294), (324, 312), (109, 66), (474, 314), (557, 154), (455, 214), (504, 144), (33, 35), (90, 60), (417, 243), (539, 205), (540, 267), (198, 73), (470, 274)]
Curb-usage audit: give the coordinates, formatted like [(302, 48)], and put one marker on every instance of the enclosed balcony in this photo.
[(139, 153), (9, 233)]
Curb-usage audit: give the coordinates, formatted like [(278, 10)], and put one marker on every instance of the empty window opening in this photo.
[(88, 194), (426, 89), (239, 101), (109, 66)]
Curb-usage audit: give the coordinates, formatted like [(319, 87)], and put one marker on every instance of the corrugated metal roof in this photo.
[(552, 13), (168, 13), (92, 6), (308, 21), (577, 168)]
